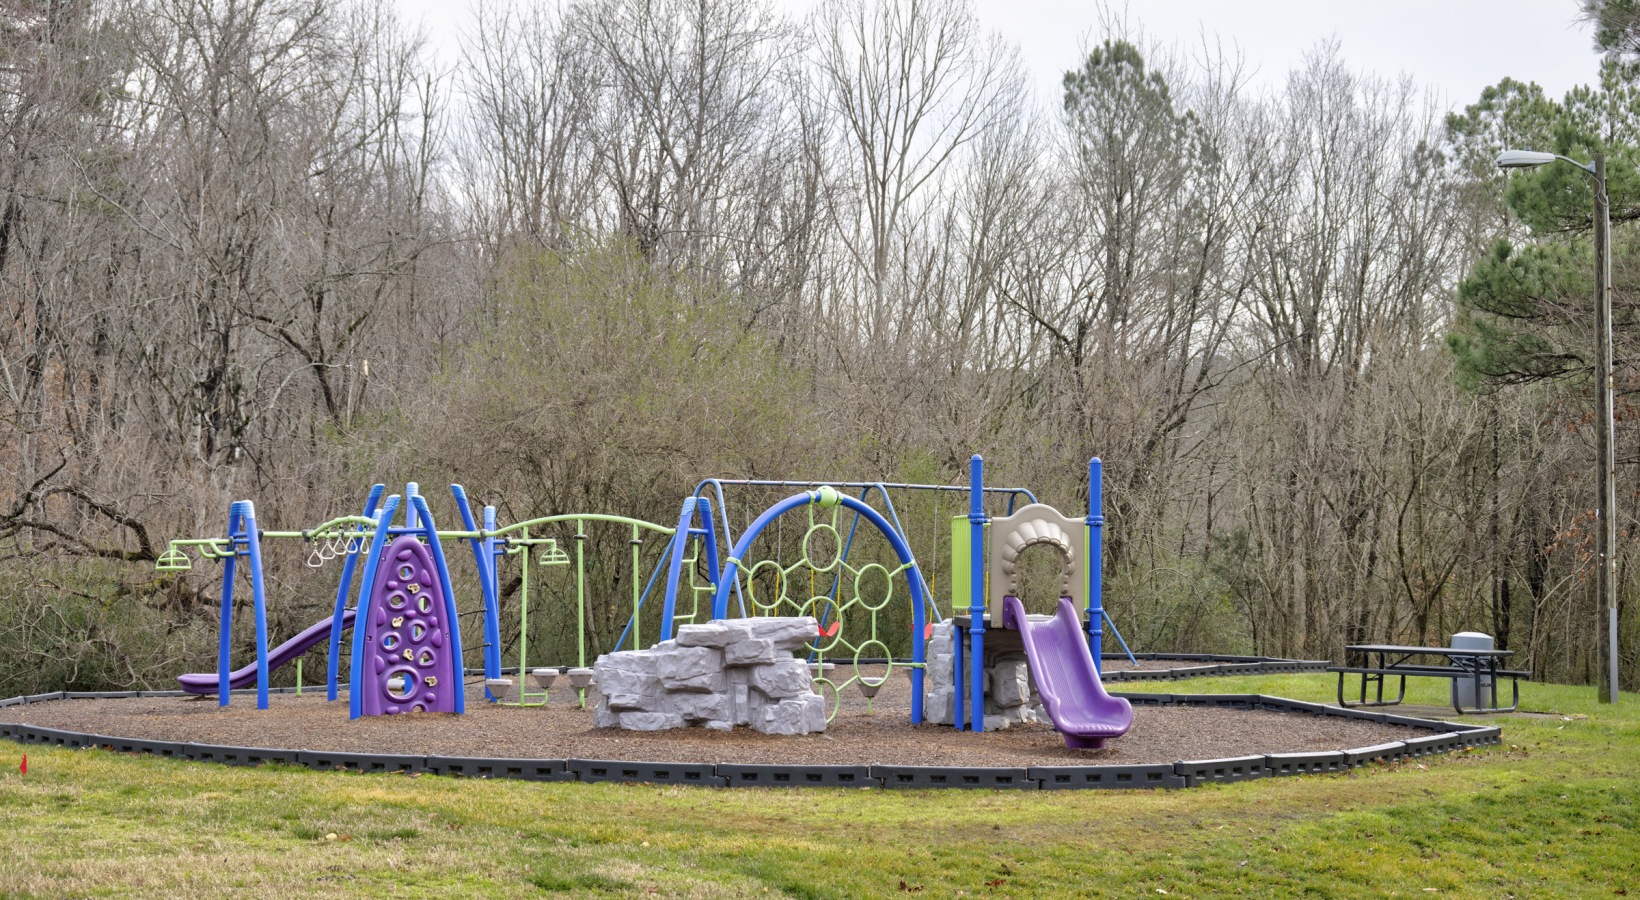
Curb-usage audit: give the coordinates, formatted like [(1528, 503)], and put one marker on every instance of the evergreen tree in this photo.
[(1526, 309)]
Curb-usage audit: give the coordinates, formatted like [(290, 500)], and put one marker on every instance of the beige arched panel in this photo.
[(1036, 524)]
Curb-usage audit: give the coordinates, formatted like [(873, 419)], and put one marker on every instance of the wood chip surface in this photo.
[(562, 730)]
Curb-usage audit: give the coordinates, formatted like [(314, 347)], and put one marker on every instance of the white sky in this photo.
[(1453, 47)]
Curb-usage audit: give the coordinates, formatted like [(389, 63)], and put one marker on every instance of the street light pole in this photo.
[(1607, 586), (1606, 540)]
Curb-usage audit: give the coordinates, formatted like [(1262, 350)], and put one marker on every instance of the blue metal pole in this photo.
[(410, 492), (253, 544), (484, 558), (958, 705), (976, 599), (224, 649), (358, 665), (334, 677), (491, 582), (728, 531), (452, 624), (1121, 640), (674, 572), (642, 599), (704, 507), (1096, 562)]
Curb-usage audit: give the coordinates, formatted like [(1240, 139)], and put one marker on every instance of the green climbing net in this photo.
[(851, 603)]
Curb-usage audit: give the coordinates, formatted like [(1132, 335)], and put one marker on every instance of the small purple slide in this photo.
[(1066, 678), (206, 682)]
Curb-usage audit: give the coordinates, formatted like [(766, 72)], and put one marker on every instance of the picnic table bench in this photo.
[(1374, 662)]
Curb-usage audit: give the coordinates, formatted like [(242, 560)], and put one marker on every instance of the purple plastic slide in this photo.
[(206, 682), (1065, 677)]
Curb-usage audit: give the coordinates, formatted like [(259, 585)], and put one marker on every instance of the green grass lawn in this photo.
[(1552, 812)]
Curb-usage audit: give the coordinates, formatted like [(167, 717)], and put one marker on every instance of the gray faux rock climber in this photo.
[(783, 678), (717, 675), (1009, 697)]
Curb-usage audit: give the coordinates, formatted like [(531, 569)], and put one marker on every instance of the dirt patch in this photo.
[(562, 730)]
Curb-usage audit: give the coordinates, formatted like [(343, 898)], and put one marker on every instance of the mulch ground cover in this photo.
[(562, 729)]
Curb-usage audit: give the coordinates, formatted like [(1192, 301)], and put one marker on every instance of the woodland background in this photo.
[(1336, 363)]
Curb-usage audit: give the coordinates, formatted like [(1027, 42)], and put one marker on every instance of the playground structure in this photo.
[(407, 654)]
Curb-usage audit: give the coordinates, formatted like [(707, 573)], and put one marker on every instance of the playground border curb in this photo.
[(1390, 752), (1220, 771), (620, 770), (496, 767), (230, 755), (1280, 765), (970, 777), (1294, 706), (1435, 744), (756, 775), (1140, 699), (1209, 665), (161, 749), (1219, 701), (1448, 737), (1138, 777), (379, 763)]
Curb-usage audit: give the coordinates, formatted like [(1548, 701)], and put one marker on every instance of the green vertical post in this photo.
[(637, 592), (524, 614), (581, 600), (298, 676)]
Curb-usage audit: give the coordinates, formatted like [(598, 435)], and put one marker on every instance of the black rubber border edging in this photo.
[(1447, 737), (495, 767), (760, 775), (622, 770), (1208, 665)]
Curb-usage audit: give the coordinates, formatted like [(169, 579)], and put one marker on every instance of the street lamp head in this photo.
[(1524, 159)]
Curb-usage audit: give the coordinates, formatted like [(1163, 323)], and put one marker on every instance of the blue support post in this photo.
[(333, 674), (410, 492), (1096, 562), (704, 507), (976, 599), (490, 554), (452, 622), (253, 545), (674, 572), (484, 556), (224, 650), (357, 665), (958, 707)]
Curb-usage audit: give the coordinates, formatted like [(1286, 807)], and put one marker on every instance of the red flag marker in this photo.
[(23, 769)]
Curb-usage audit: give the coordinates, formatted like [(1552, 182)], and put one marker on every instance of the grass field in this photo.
[(1553, 812)]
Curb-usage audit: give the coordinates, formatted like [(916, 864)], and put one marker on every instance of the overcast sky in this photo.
[(1454, 47)]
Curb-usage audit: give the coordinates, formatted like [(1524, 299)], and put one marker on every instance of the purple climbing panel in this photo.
[(405, 639)]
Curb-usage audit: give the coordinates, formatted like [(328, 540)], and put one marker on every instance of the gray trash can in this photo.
[(1463, 689)]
